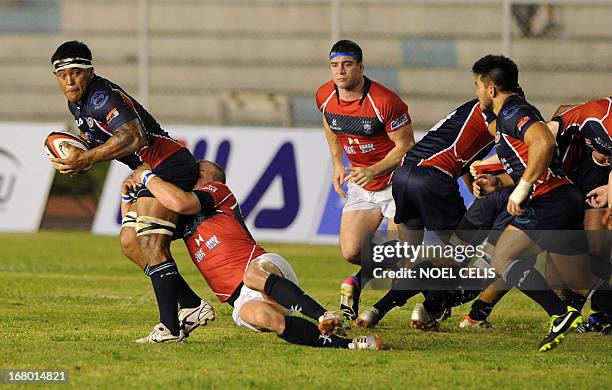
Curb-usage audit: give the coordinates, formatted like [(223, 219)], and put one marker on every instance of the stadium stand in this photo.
[(258, 63)]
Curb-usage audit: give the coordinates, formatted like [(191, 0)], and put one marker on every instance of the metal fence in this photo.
[(259, 62)]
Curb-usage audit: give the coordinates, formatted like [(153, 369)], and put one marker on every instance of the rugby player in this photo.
[(426, 191), (117, 127), (543, 199), (583, 136), (261, 286), (371, 125)]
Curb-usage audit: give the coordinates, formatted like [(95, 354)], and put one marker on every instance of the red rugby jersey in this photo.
[(219, 243), (362, 125)]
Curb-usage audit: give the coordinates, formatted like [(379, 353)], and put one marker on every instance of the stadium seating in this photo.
[(256, 63)]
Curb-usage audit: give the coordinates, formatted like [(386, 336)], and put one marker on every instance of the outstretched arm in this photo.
[(172, 197)]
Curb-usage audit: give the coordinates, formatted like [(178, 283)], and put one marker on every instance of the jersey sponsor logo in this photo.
[(90, 122), (508, 112), (522, 122), (210, 188), (349, 149), (334, 125), (399, 122), (353, 140), (98, 99), (79, 122), (112, 115), (199, 255), (367, 148), (212, 242), (199, 240)]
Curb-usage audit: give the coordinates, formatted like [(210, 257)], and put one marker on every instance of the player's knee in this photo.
[(129, 243), (500, 263), (350, 253), (254, 278)]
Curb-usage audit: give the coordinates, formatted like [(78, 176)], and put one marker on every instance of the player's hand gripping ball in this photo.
[(55, 144)]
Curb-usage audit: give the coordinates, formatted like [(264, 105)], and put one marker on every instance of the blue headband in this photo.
[(334, 55)]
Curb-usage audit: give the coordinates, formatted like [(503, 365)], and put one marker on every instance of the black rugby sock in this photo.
[(521, 275), (570, 298), (291, 297), (480, 310), (601, 298), (165, 279), (393, 298), (187, 298), (303, 332)]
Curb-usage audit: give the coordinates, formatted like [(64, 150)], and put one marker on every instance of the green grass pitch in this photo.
[(71, 301)]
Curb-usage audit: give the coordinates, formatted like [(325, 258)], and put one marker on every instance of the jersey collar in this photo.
[(366, 89)]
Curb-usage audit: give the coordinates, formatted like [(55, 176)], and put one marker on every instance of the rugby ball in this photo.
[(54, 144)]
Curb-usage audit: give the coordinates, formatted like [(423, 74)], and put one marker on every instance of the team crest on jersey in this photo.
[(399, 122), (367, 125), (90, 122), (98, 99)]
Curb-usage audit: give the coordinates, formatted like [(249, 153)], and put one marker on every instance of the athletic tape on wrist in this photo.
[(521, 192)]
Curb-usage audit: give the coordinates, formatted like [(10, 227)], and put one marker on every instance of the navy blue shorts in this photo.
[(180, 169), (588, 176), (555, 221), (429, 194), (489, 212)]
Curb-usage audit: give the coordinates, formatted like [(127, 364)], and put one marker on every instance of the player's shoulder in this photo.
[(596, 107), (382, 94), (516, 109), (216, 189), (102, 97), (324, 91)]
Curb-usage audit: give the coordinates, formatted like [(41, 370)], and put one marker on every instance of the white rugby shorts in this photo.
[(359, 199), (248, 295)]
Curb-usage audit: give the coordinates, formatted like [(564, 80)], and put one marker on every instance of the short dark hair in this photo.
[(346, 46), (499, 70), (219, 174), (71, 49)]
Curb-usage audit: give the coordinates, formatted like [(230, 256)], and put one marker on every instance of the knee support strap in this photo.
[(129, 220), (150, 225)]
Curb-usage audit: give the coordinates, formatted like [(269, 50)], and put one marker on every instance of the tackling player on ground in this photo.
[(261, 286), (117, 127), (371, 125)]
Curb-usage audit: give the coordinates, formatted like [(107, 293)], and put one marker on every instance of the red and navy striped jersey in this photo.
[(105, 107), (362, 125), (588, 125), (514, 119), (219, 242), (453, 143)]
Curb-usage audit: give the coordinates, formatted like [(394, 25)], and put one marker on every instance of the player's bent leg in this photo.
[(354, 227), (272, 275), (263, 316)]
